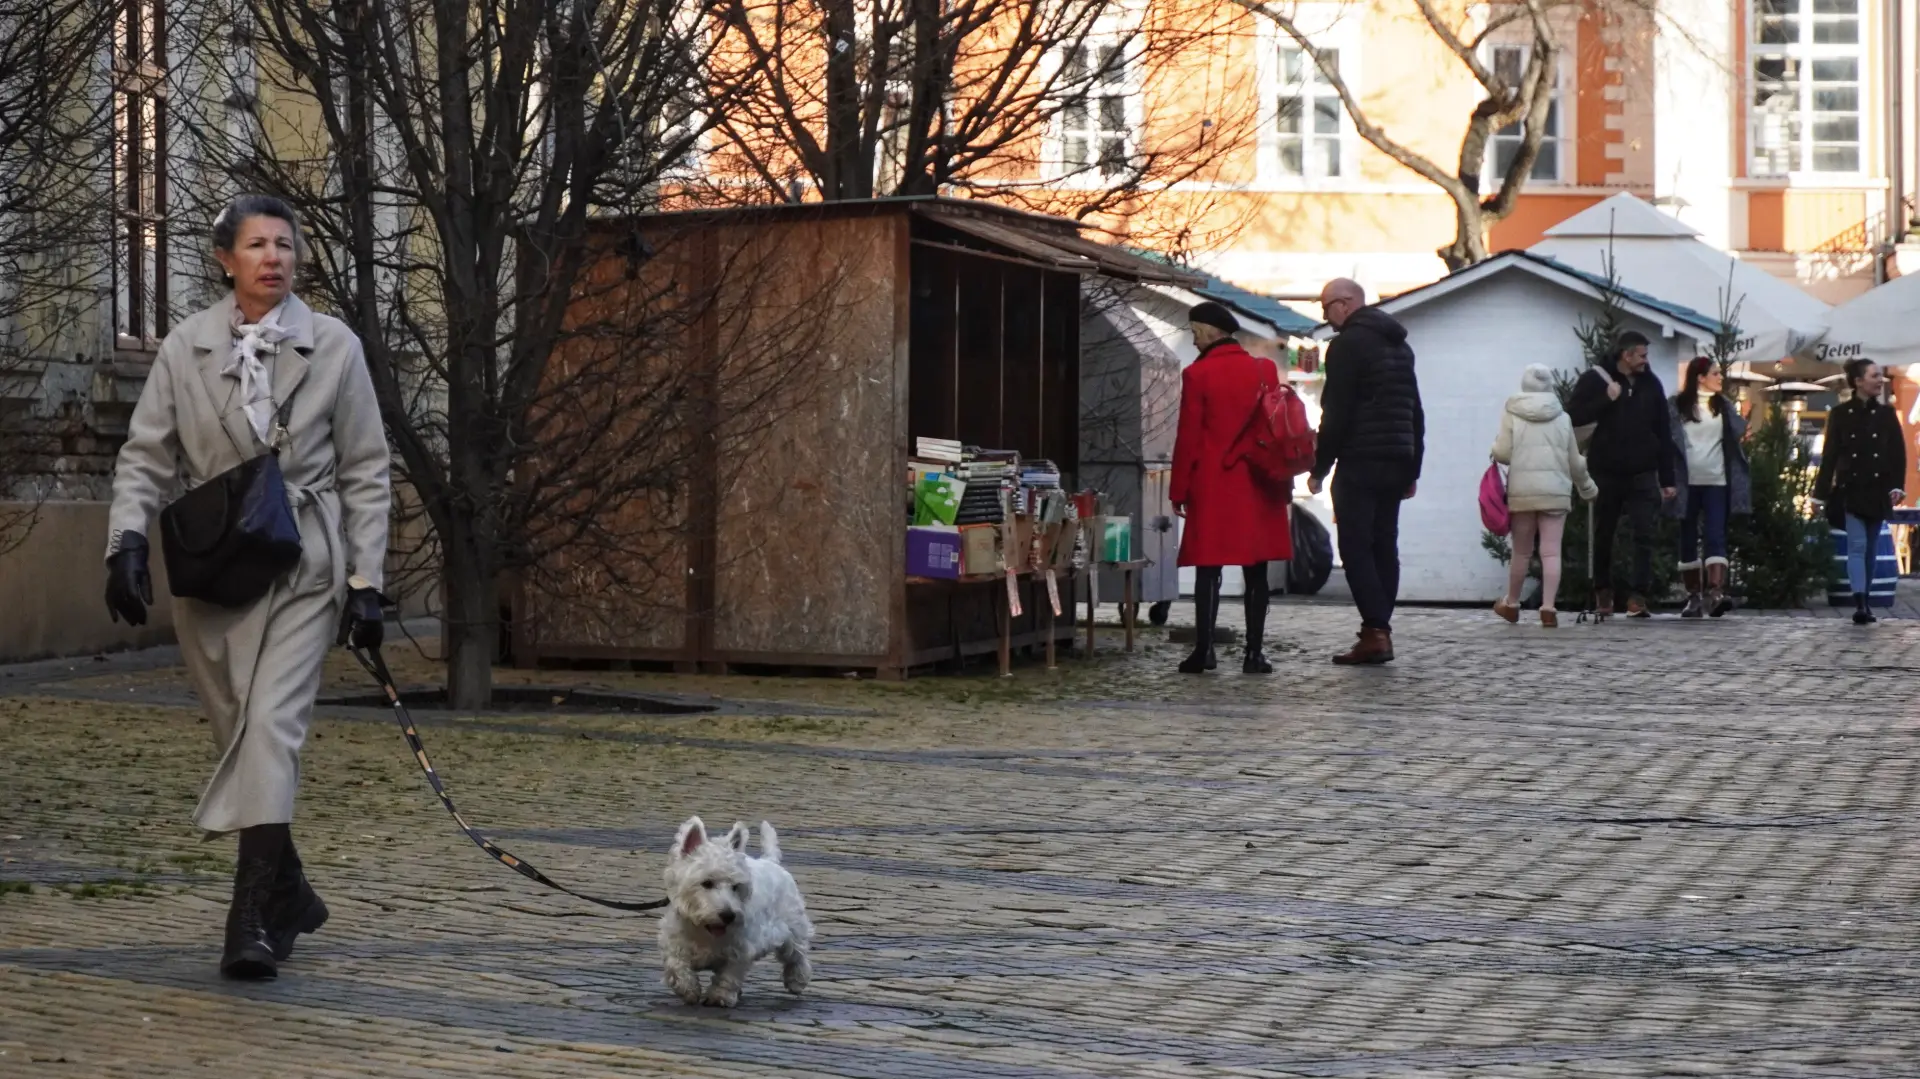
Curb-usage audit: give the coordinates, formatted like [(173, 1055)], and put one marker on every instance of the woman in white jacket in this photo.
[(1544, 468)]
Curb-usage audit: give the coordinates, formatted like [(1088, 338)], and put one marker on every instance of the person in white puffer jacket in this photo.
[(1544, 469)]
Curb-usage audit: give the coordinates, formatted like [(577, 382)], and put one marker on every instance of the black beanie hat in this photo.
[(1212, 314)]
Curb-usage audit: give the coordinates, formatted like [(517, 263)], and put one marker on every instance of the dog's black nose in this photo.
[(728, 917)]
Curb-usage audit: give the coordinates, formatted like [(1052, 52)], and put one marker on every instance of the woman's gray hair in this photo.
[(226, 227)]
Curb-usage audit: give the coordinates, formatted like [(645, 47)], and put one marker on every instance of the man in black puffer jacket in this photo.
[(1373, 428), (1631, 457)]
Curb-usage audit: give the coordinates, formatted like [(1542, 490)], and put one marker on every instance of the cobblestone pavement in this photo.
[(1631, 850)]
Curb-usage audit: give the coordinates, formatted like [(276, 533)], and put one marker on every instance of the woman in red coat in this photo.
[(1232, 520)]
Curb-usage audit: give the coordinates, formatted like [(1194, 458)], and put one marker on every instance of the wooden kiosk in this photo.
[(785, 544)]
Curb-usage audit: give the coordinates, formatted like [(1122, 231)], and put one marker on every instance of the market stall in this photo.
[(882, 329), (1656, 254)]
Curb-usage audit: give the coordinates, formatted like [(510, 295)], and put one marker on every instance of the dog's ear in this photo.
[(692, 836), (737, 836)]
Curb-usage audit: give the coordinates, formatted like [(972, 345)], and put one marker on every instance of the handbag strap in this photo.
[(1259, 404), (278, 436)]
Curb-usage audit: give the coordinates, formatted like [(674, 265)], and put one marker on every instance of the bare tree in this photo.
[(1038, 103), (1510, 97), (55, 119), (469, 170)]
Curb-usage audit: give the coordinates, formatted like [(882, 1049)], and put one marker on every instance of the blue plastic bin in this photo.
[(1881, 581)]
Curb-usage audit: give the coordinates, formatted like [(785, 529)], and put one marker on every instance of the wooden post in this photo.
[(1005, 607), (1047, 603), (1092, 569)]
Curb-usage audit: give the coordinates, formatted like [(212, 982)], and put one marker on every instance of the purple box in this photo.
[(933, 552)]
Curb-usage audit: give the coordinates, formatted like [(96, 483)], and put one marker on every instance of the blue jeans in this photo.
[(1862, 539), (1708, 505)]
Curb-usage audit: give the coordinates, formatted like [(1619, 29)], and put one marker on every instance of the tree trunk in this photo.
[(1469, 246), (473, 629)]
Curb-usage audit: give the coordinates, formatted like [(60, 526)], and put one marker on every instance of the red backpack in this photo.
[(1277, 444)]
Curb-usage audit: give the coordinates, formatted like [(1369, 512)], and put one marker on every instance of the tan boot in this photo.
[(1375, 646), (1718, 602)]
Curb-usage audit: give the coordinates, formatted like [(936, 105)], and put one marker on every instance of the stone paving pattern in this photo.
[(1633, 850)]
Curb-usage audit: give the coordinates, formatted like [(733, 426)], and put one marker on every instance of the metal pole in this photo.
[(1896, 226)]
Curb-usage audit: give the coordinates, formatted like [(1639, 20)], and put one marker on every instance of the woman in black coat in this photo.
[(1863, 462)]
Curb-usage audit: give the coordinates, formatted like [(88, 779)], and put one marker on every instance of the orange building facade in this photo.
[(1783, 130)]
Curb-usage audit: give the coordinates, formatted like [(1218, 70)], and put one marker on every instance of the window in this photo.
[(1309, 120), (1094, 123), (1808, 67), (140, 167), (1510, 64)]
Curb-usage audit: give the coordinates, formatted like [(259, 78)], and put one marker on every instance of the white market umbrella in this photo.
[(1881, 324), (1661, 256)]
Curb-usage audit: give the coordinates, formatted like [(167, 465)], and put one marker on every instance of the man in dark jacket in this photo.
[(1631, 456), (1373, 428)]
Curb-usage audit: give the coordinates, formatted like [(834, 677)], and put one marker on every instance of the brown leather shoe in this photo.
[(1549, 619), (1508, 611), (1637, 608), (1374, 647)]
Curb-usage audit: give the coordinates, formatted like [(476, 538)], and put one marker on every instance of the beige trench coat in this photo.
[(257, 668)]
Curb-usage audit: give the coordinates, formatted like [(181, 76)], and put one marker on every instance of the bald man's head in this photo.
[(1340, 299)]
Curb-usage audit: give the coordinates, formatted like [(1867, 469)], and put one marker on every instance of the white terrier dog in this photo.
[(729, 909)]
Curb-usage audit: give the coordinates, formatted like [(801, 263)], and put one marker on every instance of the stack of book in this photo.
[(982, 503), (1040, 473), (944, 450)]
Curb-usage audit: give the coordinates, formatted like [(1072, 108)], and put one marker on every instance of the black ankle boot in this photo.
[(249, 947), (296, 907), (1255, 660), (1862, 613)]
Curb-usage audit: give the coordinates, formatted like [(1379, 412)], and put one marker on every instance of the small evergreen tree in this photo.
[(1780, 553)]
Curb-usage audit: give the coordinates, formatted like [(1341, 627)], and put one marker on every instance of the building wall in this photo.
[(51, 587)]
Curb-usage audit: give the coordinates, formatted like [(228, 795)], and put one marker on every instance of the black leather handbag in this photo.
[(228, 540)]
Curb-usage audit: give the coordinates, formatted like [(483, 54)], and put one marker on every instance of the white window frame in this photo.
[(144, 163), (1342, 32), (1098, 131), (1802, 56), (1553, 147)]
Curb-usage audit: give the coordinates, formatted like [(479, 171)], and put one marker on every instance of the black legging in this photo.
[(1206, 599)]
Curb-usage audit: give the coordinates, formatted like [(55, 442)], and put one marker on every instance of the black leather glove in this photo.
[(361, 626), (129, 585)]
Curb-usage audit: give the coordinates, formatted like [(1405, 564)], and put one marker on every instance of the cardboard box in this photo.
[(933, 552), (1109, 538), (1017, 545), (979, 550), (1059, 544)]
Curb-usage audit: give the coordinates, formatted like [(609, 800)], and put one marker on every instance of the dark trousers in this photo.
[(1637, 498), (1367, 511)]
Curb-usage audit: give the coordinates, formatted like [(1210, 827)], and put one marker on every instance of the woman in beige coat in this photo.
[(260, 370), (1544, 468)]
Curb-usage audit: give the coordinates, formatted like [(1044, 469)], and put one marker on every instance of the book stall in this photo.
[(983, 516), (913, 507)]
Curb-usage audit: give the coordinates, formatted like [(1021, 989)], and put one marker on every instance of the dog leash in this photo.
[(377, 667)]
